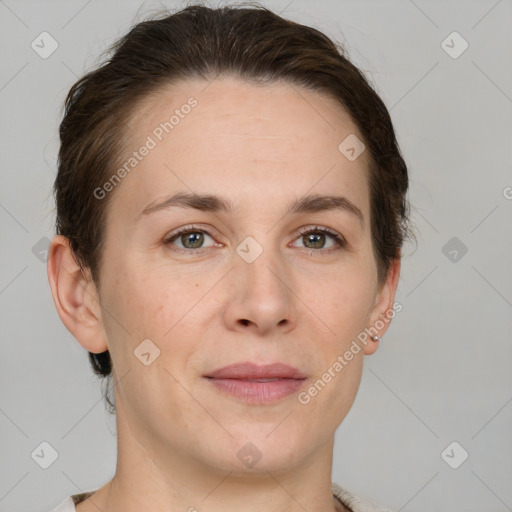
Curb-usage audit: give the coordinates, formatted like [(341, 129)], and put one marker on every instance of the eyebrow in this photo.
[(211, 203)]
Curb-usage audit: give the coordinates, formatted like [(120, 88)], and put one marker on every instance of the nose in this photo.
[(261, 296)]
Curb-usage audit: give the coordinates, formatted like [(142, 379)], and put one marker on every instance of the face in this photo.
[(260, 282)]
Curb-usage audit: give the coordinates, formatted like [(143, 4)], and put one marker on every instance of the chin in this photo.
[(262, 449)]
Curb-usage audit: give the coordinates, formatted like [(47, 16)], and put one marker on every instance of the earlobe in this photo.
[(75, 296), (371, 345)]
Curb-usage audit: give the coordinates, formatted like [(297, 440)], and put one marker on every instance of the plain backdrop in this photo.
[(442, 374)]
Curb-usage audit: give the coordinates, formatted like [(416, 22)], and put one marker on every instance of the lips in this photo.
[(256, 384), (252, 372)]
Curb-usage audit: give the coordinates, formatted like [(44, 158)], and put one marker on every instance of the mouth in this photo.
[(251, 371), (257, 384)]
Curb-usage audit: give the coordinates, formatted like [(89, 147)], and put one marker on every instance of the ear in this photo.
[(75, 296), (383, 303)]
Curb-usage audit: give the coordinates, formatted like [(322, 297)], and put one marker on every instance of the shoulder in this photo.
[(68, 504), (355, 503)]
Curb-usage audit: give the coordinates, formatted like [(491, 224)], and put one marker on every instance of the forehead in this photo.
[(278, 108), (245, 141)]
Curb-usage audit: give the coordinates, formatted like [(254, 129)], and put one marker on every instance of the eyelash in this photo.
[(339, 240)]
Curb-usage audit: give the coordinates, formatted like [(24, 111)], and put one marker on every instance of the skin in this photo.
[(178, 436)]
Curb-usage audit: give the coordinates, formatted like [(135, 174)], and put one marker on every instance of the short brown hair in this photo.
[(246, 41)]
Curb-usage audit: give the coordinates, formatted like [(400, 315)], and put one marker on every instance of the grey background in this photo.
[(442, 373)]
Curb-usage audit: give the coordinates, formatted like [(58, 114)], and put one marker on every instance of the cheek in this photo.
[(327, 400), (132, 312), (136, 298), (343, 308), (344, 304), (141, 305)]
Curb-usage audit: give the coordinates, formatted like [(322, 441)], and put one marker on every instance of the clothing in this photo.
[(353, 503)]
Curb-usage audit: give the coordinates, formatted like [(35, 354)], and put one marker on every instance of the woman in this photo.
[(230, 214)]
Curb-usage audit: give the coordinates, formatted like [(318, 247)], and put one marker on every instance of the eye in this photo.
[(314, 238), (191, 239)]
